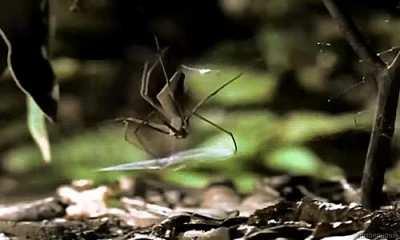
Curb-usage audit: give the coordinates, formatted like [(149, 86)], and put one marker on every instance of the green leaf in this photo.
[(299, 160), (295, 160), (37, 128), (300, 127), (188, 178), (252, 87), (245, 182), (23, 48)]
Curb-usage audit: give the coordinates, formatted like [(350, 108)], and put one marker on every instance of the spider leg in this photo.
[(153, 125), (218, 127), (142, 123), (212, 94), (160, 54), (144, 87), (126, 137), (138, 137), (168, 80)]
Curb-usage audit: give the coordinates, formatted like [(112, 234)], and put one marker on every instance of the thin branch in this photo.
[(379, 149), (388, 81), (353, 35)]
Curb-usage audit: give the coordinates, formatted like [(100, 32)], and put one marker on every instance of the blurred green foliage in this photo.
[(278, 110), (80, 156), (263, 138)]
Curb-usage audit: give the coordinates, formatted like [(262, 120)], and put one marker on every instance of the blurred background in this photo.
[(303, 105)]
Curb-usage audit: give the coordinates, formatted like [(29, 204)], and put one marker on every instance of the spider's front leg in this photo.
[(144, 88), (219, 128)]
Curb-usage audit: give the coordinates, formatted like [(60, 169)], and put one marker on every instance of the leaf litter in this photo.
[(147, 208)]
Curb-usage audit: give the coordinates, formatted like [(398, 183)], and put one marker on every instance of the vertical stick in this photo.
[(388, 81), (379, 149), (353, 34)]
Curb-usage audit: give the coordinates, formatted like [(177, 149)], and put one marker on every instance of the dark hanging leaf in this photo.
[(3, 58), (24, 33)]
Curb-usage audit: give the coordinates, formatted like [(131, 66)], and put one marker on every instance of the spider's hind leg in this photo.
[(138, 136), (142, 123)]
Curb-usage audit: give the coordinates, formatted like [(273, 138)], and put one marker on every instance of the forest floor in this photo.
[(281, 207)]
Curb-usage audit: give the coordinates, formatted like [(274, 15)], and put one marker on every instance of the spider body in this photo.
[(172, 112), (174, 118)]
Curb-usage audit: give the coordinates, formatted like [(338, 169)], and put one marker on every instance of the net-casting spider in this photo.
[(174, 118)]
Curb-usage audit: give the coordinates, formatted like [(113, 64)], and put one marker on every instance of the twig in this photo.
[(353, 35), (388, 81), (379, 149), (48, 208)]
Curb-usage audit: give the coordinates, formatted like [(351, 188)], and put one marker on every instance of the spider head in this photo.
[(180, 127), (181, 133)]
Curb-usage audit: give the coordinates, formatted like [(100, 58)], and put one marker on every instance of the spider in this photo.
[(174, 118)]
